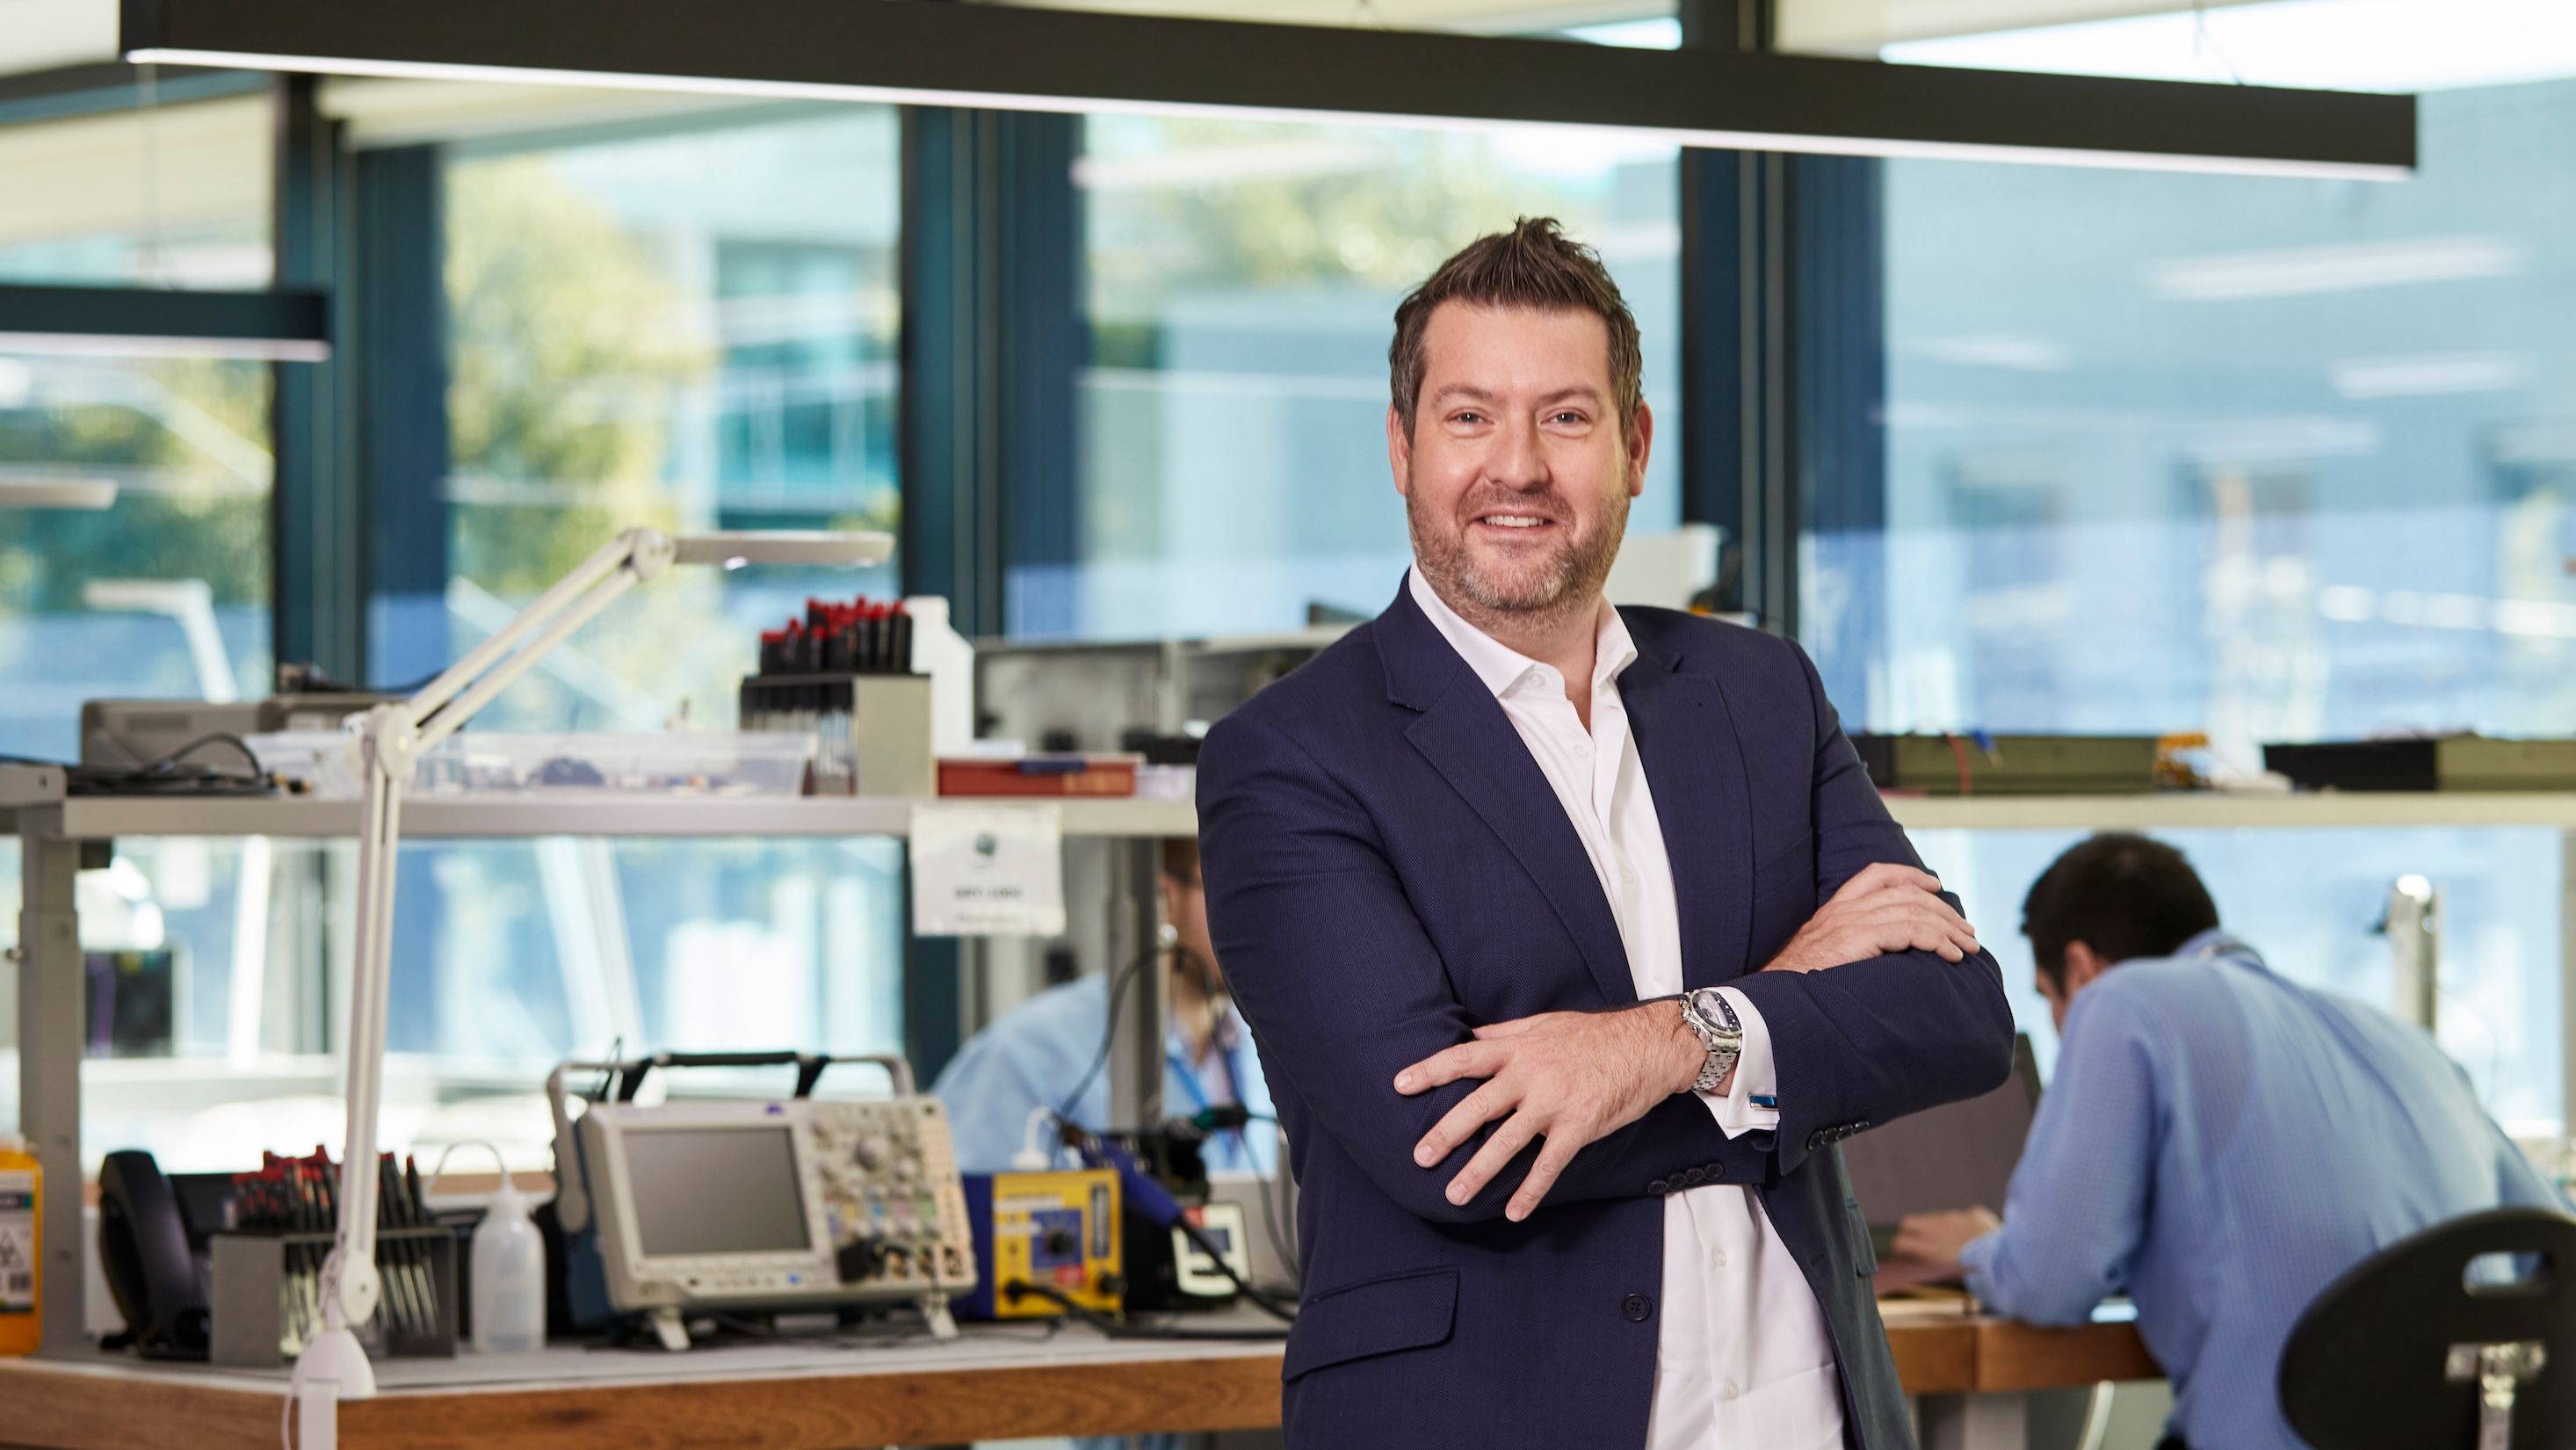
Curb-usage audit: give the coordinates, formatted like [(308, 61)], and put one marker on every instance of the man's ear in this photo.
[(2083, 964), (1399, 449), (1641, 443)]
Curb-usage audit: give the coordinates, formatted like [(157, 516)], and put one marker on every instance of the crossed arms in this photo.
[(1883, 1004)]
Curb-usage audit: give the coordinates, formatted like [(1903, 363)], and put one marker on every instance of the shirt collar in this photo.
[(1500, 666), (2216, 942)]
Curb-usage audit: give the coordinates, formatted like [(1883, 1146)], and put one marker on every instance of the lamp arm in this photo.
[(647, 550), (568, 619), (392, 738)]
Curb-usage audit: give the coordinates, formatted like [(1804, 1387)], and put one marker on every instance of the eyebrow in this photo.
[(1479, 395)]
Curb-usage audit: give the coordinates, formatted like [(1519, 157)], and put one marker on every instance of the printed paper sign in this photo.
[(987, 870)]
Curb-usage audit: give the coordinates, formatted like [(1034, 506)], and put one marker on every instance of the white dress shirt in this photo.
[(1743, 1361)]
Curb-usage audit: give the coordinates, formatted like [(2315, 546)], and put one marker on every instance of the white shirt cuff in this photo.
[(1736, 1112)]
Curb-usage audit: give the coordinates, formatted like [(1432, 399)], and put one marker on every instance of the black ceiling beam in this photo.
[(1022, 58), (293, 323)]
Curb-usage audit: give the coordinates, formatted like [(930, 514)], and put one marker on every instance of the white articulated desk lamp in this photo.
[(391, 738)]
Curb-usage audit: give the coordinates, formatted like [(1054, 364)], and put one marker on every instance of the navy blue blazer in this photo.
[(1387, 868)]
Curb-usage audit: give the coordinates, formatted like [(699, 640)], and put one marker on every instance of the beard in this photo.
[(1540, 589)]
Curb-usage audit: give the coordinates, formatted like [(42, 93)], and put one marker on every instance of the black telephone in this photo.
[(152, 1262)]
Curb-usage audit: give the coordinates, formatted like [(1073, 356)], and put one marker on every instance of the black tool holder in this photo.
[(265, 1309)]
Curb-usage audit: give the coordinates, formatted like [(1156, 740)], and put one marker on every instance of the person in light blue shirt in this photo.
[(1039, 1053), (2218, 1143)]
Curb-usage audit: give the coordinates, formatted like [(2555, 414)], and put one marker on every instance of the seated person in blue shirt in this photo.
[(2218, 1143), (1038, 1053)]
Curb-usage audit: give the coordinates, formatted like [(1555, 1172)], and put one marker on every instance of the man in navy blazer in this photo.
[(1573, 940)]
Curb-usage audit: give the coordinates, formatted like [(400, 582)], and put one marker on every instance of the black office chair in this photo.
[(2406, 1351)]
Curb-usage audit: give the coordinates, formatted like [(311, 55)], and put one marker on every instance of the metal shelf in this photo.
[(2202, 810), (95, 818)]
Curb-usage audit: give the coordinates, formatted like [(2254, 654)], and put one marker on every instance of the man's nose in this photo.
[(1517, 460)]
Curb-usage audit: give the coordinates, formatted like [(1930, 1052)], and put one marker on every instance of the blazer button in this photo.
[(1659, 1188), (1716, 1171), (1694, 1177), (1638, 1308), (1815, 1140)]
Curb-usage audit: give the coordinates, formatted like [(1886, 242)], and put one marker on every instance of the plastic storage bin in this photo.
[(473, 762)]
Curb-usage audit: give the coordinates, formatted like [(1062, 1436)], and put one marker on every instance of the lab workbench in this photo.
[(1001, 1384), (58, 833)]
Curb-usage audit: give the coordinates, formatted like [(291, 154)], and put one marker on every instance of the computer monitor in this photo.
[(1958, 1155)]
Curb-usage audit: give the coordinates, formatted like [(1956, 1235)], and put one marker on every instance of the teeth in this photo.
[(1514, 521)]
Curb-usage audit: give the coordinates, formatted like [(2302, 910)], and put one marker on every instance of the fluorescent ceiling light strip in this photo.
[(113, 344), (987, 100)]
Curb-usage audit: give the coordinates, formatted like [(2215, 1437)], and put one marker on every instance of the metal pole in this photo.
[(2567, 983), (50, 1039), (1136, 1036), (2414, 930)]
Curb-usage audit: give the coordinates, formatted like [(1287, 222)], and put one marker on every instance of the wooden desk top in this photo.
[(846, 1397)]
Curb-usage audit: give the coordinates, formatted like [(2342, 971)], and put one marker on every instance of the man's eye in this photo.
[(1466, 417), (1571, 418)]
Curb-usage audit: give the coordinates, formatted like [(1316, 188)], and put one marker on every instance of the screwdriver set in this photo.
[(268, 1286), (843, 674)]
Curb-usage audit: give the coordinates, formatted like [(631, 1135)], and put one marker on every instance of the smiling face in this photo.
[(1515, 472)]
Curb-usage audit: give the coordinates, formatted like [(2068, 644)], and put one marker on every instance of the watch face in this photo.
[(1711, 1005)]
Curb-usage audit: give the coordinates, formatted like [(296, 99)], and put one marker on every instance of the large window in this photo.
[(164, 592), (1242, 288), (2280, 460), (692, 329)]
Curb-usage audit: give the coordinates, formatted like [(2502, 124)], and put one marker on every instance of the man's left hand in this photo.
[(1939, 1238), (1570, 1077)]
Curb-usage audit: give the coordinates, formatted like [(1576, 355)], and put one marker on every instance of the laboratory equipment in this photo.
[(507, 1266), (388, 741), (267, 1265), (761, 1204), (2428, 762), (22, 1298), (1054, 1230), (1976, 763)]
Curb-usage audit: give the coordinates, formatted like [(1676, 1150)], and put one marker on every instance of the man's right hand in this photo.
[(1886, 908)]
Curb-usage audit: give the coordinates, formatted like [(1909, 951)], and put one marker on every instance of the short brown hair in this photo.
[(1533, 266)]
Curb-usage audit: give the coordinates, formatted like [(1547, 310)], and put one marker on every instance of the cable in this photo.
[(1121, 1329), (1108, 1033), (169, 775), (1261, 1300)]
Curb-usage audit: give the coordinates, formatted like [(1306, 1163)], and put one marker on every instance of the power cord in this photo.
[(1108, 1035), (1116, 1328), (170, 775)]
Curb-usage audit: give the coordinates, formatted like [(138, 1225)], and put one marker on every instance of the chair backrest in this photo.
[(2371, 1364)]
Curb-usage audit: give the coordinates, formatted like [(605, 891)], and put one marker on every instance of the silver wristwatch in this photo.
[(1714, 1022)]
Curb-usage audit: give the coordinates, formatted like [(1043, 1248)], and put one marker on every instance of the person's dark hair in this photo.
[(1531, 266), (2124, 896)]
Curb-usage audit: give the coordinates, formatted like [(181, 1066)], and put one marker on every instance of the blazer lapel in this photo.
[(1465, 735), (1686, 740), (1469, 740)]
